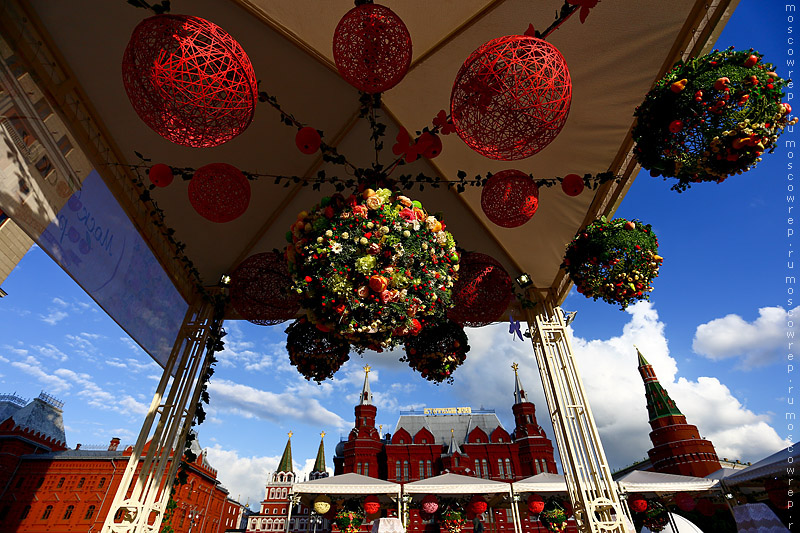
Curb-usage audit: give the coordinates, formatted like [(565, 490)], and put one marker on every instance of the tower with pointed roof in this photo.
[(320, 470), (535, 449), (360, 454), (677, 446)]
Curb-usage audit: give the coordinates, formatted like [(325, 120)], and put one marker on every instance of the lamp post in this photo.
[(193, 516)]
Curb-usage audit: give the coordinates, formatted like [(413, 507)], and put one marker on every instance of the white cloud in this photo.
[(755, 343), (244, 477), (100, 398), (54, 317), (48, 350), (32, 366)]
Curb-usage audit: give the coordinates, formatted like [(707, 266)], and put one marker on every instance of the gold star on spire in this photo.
[(367, 368), (322, 434), (290, 434), (515, 366)]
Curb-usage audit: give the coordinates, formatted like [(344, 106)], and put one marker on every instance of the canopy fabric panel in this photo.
[(642, 481), (773, 465), (455, 484), (544, 482), (347, 484)]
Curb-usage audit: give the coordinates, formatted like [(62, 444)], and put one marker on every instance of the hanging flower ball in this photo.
[(572, 185), (482, 293), (160, 175), (430, 504), (372, 48), (370, 267), (511, 97), (477, 505), (535, 504), (510, 198), (710, 118), (437, 350), (656, 517), (553, 517), (316, 355), (372, 505), (614, 260), (685, 502), (705, 507), (452, 521), (219, 192), (189, 80), (322, 504), (261, 290), (637, 503), (349, 521), (307, 140)]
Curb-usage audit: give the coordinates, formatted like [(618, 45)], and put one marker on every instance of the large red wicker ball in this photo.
[(482, 292), (260, 290), (219, 192), (477, 505), (510, 198), (535, 504), (637, 503), (511, 97), (372, 48), (685, 502), (430, 504), (705, 507), (371, 504), (778, 493), (189, 80)]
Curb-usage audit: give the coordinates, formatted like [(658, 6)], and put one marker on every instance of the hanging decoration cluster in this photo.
[(482, 292), (614, 260), (372, 48), (437, 350), (349, 521), (430, 504), (189, 80), (711, 117), (510, 198), (261, 290), (553, 518), (219, 192), (370, 266), (511, 97), (452, 520), (655, 517), (316, 355)]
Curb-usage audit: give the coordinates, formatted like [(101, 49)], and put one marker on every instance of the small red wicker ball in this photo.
[(637, 503), (160, 175), (307, 140), (511, 97), (510, 198), (572, 185), (372, 48), (430, 504), (371, 504), (685, 502), (219, 192), (535, 504), (189, 80), (477, 505), (261, 290), (482, 292)]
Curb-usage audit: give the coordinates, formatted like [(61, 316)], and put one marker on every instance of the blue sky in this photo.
[(714, 330)]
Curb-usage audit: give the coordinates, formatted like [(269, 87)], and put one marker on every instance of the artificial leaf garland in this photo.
[(367, 266), (614, 260), (711, 117)]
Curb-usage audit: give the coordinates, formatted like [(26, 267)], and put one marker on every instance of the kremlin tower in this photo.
[(677, 446), (535, 449)]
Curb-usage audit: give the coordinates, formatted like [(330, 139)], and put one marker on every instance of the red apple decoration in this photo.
[(308, 140)]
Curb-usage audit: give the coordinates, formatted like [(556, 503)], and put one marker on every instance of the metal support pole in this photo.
[(591, 488), (143, 492)]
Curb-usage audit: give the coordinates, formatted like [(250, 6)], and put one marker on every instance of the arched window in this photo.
[(478, 467), (266, 511), (430, 470), (405, 470), (268, 524), (60, 483), (271, 494), (89, 512), (68, 512), (102, 482), (422, 469), (20, 482), (358, 468), (366, 469), (80, 482), (25, 512), (509, 473), (283, 493), (500, 468), (47, 511), (39, 483), (397, 471)]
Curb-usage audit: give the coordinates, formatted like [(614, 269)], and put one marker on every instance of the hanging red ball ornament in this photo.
[(160, 175), (372, 48), (685, 502), (511, 97), (477, 505), (637, 503), (189, 80), (219, 192), (705, 507), (778, 493), (261, 290), (372, 505), (307, 140), (430, 504), (572, 185), (432, 144), (482, 292), (535, 504), (510, 198)]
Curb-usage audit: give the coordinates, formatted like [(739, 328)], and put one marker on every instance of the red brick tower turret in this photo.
[(363, 445), (677, 446), (535, 449)]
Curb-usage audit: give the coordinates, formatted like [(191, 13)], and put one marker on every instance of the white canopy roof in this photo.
[(723, 473), (347, 484), (544, 482), (456, 484), (774, 464), (641, 481)]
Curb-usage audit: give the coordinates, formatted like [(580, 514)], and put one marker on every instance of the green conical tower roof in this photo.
[(659, 404), (319, 464), (286, 459)]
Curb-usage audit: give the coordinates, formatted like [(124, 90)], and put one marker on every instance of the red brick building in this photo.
[(46, 487)]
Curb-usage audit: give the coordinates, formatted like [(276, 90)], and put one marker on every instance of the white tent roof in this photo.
[(723, 473), (769, 466), (347, 484), (641, 481), (544, 482), (455, 484)]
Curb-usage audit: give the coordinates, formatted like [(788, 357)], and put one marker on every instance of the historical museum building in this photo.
[(47, 487)]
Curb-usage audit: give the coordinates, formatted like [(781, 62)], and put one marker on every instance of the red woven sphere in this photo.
[(219, 192), (482, 292), (430, 504), (160, 175), (572, 185), (510, 198), (477, 505), (705, 507), (189, 80), (637, 503), (685, 502), (371, 504), (535, 504), (372, 48), (777, 492), (260, 290), (511, 97), (307, 140)]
